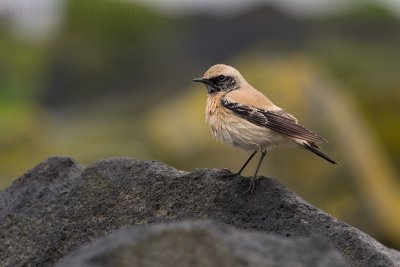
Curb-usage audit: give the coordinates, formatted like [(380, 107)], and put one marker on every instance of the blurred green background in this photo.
[(95, 79)]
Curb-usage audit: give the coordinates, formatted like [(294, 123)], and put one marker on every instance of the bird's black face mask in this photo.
[(219, 83)]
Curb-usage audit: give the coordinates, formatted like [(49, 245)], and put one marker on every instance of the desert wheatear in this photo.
[(241, 116)]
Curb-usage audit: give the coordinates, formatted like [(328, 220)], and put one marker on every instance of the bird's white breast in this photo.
[(238, 132)]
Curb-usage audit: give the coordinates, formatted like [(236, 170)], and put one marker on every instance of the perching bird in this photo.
[(241, 116)]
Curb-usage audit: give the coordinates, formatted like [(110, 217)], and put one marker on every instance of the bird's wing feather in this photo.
[(277, 120), (250, 96)]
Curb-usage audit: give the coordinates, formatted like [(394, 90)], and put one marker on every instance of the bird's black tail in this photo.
[(318, 152)]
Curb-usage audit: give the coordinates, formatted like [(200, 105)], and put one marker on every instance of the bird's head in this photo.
[(221, 78)]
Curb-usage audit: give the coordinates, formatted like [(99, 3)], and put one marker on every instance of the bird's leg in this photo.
[(244, 166), (247, 162), (254, 178)]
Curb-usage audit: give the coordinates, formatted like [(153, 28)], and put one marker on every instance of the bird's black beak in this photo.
[(201, 80)]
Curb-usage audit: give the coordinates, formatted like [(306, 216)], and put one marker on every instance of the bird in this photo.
[(241, 116)]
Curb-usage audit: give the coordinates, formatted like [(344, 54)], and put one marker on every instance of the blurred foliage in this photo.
[(366, 12), (115, 80), (22, 67), (100, 46)]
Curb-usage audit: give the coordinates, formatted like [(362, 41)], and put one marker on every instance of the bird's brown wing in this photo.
[(277, 120)]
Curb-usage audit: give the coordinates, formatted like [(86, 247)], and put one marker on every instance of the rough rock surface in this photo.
[(59, 205), (203, 244)]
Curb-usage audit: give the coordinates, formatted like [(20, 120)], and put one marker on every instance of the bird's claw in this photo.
[(252, 186), (229, 175)]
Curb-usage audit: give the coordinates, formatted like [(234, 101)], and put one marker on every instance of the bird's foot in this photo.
[(229, 174), (252, 185)]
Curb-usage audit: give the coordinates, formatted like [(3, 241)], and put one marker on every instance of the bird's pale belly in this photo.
[(238, 132)]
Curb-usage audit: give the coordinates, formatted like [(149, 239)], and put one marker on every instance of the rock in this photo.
[(59, 206), (203, 244)]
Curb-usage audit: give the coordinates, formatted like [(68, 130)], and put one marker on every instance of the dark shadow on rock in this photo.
[(59, 206)]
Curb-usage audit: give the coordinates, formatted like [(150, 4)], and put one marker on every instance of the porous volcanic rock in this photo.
[(203, 244), (60, 205)]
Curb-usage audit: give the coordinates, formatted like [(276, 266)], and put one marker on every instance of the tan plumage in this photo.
[(236, 131), (241, 116)]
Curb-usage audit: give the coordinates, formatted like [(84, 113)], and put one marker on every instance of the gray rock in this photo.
[(203, 244), (59, 205)]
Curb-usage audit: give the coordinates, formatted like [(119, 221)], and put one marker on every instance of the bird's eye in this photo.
[(221, 78)]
